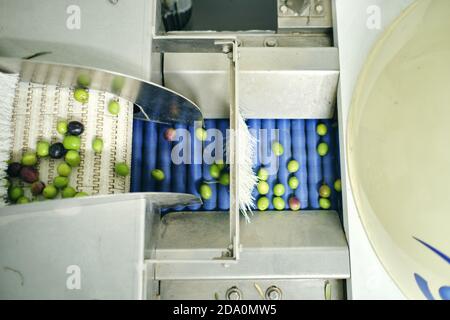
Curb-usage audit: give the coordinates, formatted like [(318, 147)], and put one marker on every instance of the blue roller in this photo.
[(299, 153), (210, 204), (223, 192), (284, 132), (149, 155), (164, 161), (268, 159), (179, 153), (136, 159), (254, 126), (314, 164), (194, 172), (329, 163)]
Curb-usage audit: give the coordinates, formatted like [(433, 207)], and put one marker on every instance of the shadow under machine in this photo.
[(275, 64)]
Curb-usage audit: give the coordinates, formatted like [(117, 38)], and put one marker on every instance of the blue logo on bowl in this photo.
[(444, 291)]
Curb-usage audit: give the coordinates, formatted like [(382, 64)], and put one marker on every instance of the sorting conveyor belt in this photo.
[(299, 138)]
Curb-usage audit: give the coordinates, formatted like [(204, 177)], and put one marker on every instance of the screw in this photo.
[(270, 42), (319, 8)]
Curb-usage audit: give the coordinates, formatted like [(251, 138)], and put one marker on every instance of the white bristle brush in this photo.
[(8, 84), (247, 177)]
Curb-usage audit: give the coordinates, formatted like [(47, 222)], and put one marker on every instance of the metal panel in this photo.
[(112, 35), (155, 102), (44, 252), (288, 83), (311, 245), (47, 248), (252, 289), (273, 82)]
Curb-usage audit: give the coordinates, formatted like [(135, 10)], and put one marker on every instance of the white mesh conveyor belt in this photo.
[(37, 109)]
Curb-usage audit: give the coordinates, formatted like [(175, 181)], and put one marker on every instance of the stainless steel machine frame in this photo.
[(263, 69), (237, 60)]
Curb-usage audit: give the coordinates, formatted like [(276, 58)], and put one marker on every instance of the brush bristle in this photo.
[(8, 84), (247, 177)]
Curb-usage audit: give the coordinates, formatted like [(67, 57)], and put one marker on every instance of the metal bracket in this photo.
[(230, 47)]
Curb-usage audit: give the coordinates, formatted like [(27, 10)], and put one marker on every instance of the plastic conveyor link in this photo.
[(149, 152), (194, 170), (284, 132), (298, 131), (269, 161), (223, 192), (329, 163), (179, 158), (314, 160), (208, 157), (137, 155)]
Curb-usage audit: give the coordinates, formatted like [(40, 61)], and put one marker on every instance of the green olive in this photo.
[(214, 171), (338, 185), (220, 164), (325, 203), (64, 169), (263, 187), (72, 143), (278, 203), (293, 166), (29, 158), (321, 129), (23, 200), (122, 169), (277, 149), (42, 148), (81, 194), (81, 95), (97, 145), (322, 149), (293, 183), (114, 107), (50, 192), (14, 193), (68, 192), (60, 182), (84, 80), (205, 191), (278, 190), (224, 179), (263, 203), (325, 191), (201, 134), (72, 158), (158, 174), (263, 174), (61, 127)]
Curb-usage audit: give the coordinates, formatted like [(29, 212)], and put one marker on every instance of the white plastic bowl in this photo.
[(399, 150)]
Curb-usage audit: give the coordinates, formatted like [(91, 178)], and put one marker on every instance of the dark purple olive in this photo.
[(29, 174), (75, 128), (14, 169), (37, 187), (57, 151)]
